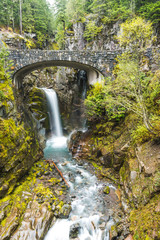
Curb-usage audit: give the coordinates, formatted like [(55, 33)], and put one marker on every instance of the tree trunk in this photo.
[(12, 17), (20, 13), (133, 6), (147, 123)]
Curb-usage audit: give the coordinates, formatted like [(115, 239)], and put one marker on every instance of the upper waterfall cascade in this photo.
[(54, 115)]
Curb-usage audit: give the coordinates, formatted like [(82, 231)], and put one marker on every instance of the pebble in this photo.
[(102, 226)]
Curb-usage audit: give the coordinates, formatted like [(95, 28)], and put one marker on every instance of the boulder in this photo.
[(74, 230)]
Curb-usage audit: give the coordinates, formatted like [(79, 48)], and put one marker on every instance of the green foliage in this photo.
[(135, 35), (30, 44), (6, 12), (37, 17), (28, 19), (75, 10), (60, 37), (153, 94), (140, 134), (40, 39), (100, 103), (92, 30), (95, 14), (94, 103), (111, 10), (60, 8), (145, 221), (132, 84), (5, 64), (6, 93), (132, 90), (106, 10), (151, 10)]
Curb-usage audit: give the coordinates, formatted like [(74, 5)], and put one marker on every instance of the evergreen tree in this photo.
[(75, 10), (6, 12)]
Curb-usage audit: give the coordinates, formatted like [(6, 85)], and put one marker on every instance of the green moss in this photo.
[(145, 221), (17, 202), (18, 150), (30, 188), (43, 190), (36, 103), (6, 92), (95, 165), (141, 134), (122, 173), (106, 190), (60, 205), (54, 180), (156, 180)]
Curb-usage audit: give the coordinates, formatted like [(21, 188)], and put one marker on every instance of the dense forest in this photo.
[(56, 21)]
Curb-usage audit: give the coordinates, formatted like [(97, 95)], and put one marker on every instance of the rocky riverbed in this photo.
[(43, 197)]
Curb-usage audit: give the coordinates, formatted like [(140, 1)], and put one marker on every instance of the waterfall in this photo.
[(88, 208), (54, 115)]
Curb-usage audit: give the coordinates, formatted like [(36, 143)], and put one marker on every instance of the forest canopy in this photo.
[(38, 17)]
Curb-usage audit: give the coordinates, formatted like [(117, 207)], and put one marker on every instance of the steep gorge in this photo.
[(131, 162)]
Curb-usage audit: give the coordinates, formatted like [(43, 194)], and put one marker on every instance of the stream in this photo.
[(87, 218)]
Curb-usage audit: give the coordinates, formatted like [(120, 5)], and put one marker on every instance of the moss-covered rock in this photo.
[(106, 190), (18, 151), (19, 148), (145, 221), (28, 210)]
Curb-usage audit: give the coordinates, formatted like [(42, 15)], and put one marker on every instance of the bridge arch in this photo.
[(96, 64), (93, 74)]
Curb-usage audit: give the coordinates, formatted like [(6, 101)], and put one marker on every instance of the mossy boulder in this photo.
[(106, 190)]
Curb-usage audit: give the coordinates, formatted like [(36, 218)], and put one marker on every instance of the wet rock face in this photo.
[(35, 222), (113, 159), (81, 148), (41, 198), (139, 174), (19, 148)]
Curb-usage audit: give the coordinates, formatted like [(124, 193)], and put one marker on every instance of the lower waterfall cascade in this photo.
[(88, 206)]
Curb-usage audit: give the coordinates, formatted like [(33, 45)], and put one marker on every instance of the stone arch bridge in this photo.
[(96, 64)]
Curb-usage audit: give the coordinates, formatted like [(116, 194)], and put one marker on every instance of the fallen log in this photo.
[(51, 161)]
